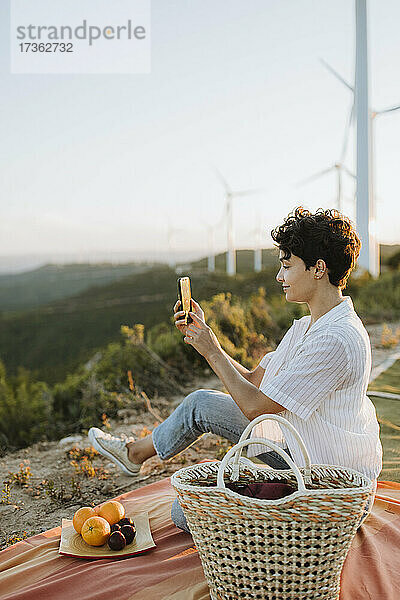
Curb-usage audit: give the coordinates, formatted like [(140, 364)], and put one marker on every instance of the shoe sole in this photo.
[(115, 460)]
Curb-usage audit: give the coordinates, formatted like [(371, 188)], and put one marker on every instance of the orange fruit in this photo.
[(96, 509), (112, 511), (96, 531), (80, 517)]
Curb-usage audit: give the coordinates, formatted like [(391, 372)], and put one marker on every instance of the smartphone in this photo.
[(185, 296)]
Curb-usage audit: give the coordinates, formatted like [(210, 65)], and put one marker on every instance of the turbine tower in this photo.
[(211, 253), (210, 246), (369, 255), (257, 233), (230, 195), (258, 251)]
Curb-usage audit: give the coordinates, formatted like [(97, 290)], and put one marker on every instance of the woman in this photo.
[(317, 377)]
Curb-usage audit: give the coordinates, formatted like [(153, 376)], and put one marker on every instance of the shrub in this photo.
[(25, 409), (393, 262), (244, 327), (147, 368), (167, 342), (80, 401), (380, 299)]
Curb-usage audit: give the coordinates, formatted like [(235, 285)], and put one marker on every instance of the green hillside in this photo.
[(387, 250), (21, 291), (55, 339)]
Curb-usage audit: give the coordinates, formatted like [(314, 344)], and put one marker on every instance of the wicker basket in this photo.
[(292, 548)]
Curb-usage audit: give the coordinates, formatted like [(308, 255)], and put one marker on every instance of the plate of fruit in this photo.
[(105, 531)]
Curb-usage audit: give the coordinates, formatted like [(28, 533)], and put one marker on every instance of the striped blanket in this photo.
[(34, 570)]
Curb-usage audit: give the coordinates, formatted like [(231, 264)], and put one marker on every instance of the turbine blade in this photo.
[(222, 180), (346, 170), (346, 135), (336, 74), (352, 113), (386, 110), (316, 176), (247, 192)]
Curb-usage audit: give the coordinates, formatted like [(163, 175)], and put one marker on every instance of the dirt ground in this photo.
[(49, 481)]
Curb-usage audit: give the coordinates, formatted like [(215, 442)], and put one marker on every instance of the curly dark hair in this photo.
[(326, 235)]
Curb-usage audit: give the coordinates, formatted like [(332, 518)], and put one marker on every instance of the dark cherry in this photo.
[(125, 521), (115, 527), (129, 533), (117, 541)]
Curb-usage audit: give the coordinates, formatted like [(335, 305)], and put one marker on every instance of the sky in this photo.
[(97, 164)]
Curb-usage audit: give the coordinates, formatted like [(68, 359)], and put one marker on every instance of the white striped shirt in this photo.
[(320, 377)]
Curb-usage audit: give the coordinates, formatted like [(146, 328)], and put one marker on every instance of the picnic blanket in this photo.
[(33, 569)]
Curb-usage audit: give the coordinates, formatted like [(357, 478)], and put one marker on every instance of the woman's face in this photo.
[(298, 284)]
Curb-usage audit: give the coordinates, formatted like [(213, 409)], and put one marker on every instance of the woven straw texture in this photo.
[(292, 548)]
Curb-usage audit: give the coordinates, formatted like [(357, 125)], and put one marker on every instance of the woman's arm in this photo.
[(254, 377), (240, 368), (251, 401)]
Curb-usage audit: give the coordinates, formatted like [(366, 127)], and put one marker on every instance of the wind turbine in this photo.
[(230, 195), (257, 233), (339, 168), (366, 198), (210, 246), (369, 254)]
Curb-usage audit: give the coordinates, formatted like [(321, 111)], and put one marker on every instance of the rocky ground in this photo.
[(49, 480)]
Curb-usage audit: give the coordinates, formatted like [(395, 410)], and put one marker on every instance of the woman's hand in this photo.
[(179, 314), (201, 337), (197, 333)]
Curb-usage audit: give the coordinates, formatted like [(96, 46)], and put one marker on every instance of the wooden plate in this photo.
[(72, 544)]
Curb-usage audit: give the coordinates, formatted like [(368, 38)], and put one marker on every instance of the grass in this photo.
[(388, 411)]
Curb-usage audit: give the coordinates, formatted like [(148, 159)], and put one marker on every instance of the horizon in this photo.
[(16, 264), (34, 261)]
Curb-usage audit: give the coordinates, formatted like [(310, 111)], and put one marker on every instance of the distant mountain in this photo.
[(28, 262), (31, 289), (22, 291)]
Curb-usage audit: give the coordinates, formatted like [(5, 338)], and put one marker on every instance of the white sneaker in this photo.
[(114, 448)]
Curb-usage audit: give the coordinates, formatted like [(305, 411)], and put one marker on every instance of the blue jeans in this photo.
[(203, 411)]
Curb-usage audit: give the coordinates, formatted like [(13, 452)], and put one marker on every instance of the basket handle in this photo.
[(285, 423), (237, 449)]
